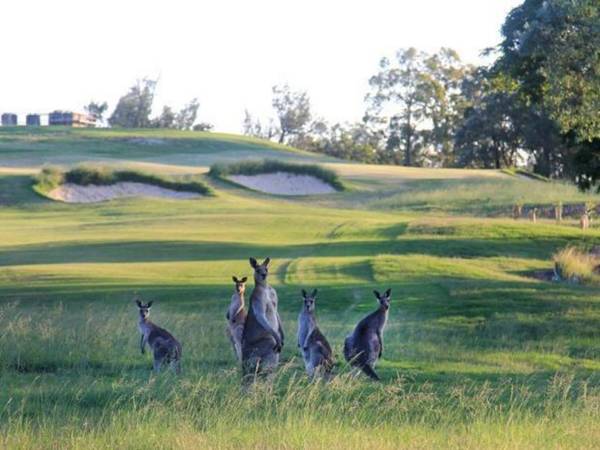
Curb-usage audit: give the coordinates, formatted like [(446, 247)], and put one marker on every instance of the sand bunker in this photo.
[(284, 183), (75, 193)]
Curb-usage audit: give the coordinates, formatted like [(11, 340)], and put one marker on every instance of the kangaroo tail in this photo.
[(370, 372)]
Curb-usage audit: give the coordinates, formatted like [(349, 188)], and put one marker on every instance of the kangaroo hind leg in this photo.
[(370, 372)]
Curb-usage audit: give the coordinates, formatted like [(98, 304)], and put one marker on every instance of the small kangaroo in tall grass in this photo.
[(236, 316), (262, 339), (316, 351), (533, 215), (165, 348), (364, 346), (585, 219)]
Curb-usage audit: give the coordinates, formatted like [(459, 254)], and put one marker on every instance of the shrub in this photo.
[(257, 167), (575, 265), (85, 175), (49, 178)]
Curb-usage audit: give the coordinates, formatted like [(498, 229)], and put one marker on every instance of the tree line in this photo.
[(134, 110), (537, 104)]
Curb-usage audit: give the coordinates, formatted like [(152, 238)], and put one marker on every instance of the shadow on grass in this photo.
[(16, 190), (151, 251)]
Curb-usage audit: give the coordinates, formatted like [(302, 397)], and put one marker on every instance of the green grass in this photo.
[(525, 173), (52, 177), (224, 171), (26, 146), (477, 353), (487, 197)]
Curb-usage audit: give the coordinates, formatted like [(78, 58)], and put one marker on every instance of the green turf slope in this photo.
[(477, 353)]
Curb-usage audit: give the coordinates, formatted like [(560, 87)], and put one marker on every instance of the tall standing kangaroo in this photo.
[(165, 348), (236, 316), (364, 346), (262, 339), (316, 351)]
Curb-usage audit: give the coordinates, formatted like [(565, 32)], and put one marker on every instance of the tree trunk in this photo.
[(408, 150), (497, 157), (409, 135), (282, 137)]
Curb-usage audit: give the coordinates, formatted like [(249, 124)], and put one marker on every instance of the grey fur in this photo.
[(316, 351), (364, 346), (262, 338), (236, 316), (165, 348)]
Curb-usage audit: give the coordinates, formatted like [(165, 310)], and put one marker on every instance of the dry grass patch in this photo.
[(576, 265)]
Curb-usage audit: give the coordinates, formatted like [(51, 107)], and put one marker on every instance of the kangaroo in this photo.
[(315, 349), (165, 348), (584, 220), (533, 215), (236, 316), (517, 211), (558, 212), (262, 338), (364, 346)]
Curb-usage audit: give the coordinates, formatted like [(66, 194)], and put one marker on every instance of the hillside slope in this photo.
[(478, 353)]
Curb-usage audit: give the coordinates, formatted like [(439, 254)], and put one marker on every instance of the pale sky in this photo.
[(60, 54)]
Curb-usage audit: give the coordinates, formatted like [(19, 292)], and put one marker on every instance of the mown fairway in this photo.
[(478, 354)]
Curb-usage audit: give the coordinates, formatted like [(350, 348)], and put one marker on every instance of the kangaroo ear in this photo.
[(234, 278), (303, 293), (377, 294), (253, 263), (137, 302), (266, 261), (149, 304), (243, 280), (314, 293), (388, 292)]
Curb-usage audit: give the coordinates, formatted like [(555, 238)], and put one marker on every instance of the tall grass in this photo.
[(51, 177), (78, 381), (575, 264), (223, 171), (488, 197)]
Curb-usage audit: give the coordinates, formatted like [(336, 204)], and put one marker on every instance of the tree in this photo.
[(253, 127), (444, 103), (166, 118), (398, 85), (202, 126), (184, 120), (134, 108), (292, 109), (347, 141), (417, 100), (96, 110), (489, 136), (354, 141), (550, 49)]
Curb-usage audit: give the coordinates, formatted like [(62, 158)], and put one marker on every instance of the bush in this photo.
[(52, 177), (49, 178), (222, 171), (573, 264)]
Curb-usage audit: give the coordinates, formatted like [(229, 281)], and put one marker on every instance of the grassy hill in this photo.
[(478, 353)]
